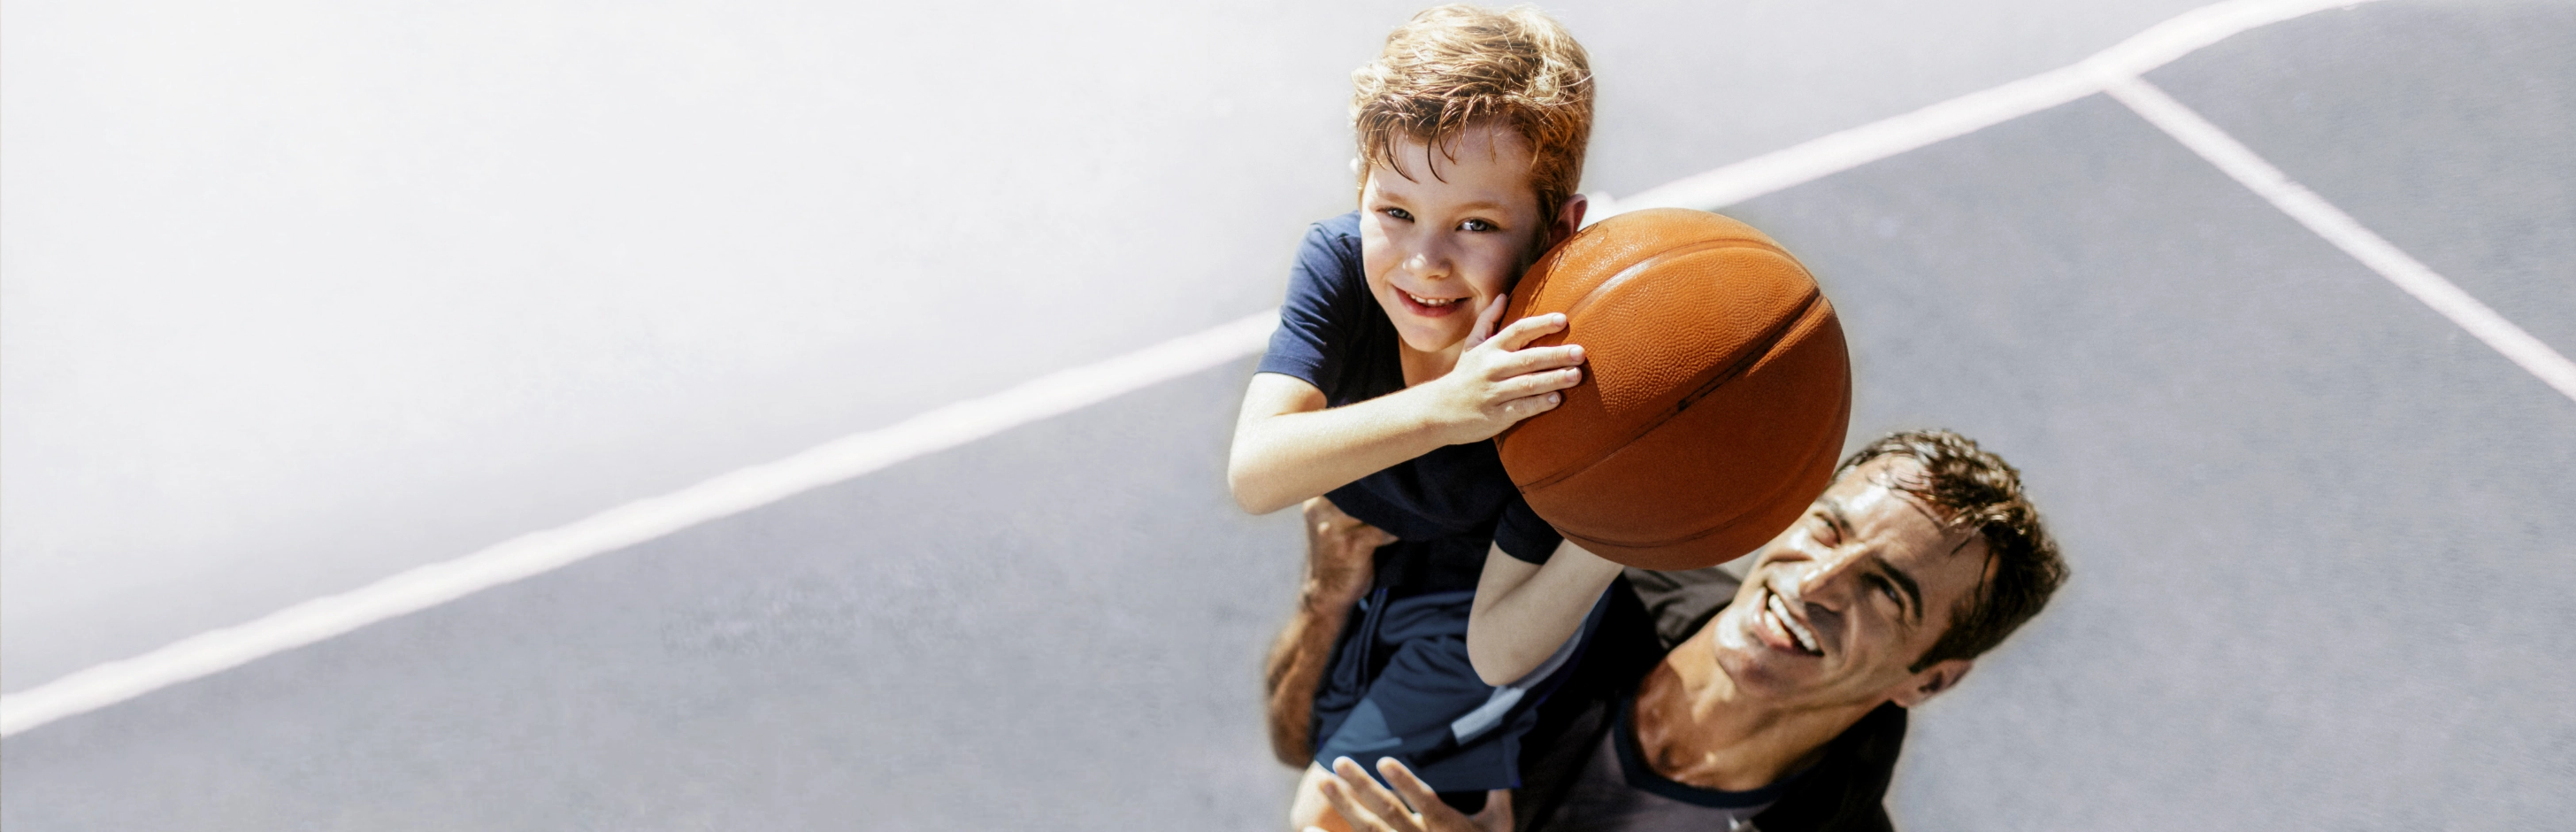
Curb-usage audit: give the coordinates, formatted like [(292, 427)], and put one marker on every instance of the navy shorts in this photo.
[(1400, 685)]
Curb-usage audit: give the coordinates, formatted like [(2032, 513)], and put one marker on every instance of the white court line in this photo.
[(2345, 233), (633, 523), (1969, 113), (956, 424)]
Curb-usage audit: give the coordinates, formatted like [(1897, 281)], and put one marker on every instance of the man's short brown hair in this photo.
[(1456, 66), (1980, 492)]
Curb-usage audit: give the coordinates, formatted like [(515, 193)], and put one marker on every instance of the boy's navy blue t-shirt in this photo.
[(1449, 504)]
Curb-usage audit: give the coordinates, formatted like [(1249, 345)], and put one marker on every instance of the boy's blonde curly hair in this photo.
[(1454, 66)]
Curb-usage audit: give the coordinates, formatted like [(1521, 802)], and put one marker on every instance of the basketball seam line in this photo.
[(1634, 269), (1744, 363), (1830, 453)]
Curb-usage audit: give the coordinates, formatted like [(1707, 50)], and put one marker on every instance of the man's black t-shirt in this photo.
[(1447, 506)]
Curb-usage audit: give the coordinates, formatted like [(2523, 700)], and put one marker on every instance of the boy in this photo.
[(1388, 376)]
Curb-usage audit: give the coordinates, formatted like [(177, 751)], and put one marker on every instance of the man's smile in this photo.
[(1783, 630)]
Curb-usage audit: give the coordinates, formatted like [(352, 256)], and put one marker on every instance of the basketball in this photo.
[(1715, 391)]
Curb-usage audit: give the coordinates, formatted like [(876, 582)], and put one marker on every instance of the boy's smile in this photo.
[(1438, 249)]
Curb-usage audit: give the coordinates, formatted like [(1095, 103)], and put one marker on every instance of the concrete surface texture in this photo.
[(299, 296), (272, 332)]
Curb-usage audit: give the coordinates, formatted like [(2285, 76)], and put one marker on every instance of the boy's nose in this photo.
[(1427, 263)]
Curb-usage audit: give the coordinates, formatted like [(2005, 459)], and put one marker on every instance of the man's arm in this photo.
[(1338, 559), (1525, 611), (1288, 446)]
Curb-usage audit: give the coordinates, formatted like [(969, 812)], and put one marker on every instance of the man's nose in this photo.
[(1829, 580)]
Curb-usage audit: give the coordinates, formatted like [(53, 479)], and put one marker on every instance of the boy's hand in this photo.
[(1497, 383), (1339, 553)]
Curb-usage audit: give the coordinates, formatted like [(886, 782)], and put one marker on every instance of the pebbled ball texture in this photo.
[(1715, 394)]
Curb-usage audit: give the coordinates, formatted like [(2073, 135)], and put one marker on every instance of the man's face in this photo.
[(1438, 249), (1838, 607)]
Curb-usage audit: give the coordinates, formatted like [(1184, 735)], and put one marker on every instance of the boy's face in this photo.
[(1438, 249)]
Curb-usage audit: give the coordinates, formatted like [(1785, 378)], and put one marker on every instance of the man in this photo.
[(1781, 708)]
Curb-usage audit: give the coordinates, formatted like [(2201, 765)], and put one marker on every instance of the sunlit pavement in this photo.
[(2318, 531)]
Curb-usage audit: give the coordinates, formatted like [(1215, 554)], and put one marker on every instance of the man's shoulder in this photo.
[(1679, 603), (1848, 789)]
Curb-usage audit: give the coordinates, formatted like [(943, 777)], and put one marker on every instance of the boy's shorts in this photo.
[(1400, 685)]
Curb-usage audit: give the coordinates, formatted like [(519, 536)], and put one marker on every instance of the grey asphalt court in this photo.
[(2319, 533), (295, 298)]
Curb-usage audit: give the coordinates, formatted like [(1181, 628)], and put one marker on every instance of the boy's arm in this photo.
[(1288, 446), (1524, 611), (1339, 551)]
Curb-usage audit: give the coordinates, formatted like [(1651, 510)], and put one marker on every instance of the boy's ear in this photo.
[(1935, 679), (1569, 219)]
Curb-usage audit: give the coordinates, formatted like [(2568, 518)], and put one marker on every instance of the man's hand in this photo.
[(1497, 382), (1340, 554), (1369, 807)]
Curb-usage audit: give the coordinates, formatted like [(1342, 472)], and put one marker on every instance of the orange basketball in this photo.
[(1715, 390)]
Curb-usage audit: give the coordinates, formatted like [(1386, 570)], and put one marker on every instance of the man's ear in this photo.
[(1935, 679), (1569, 219)]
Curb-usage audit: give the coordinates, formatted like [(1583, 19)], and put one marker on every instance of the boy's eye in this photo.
[(1398, 213), (1477, 225)]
